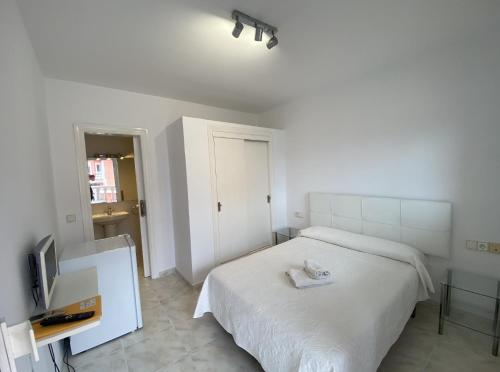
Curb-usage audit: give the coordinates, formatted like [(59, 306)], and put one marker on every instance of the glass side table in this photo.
[(471, 301), (284, 234)]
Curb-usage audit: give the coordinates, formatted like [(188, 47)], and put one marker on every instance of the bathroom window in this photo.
[(104, 180)]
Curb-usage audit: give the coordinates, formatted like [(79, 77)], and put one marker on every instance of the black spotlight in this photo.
[(238, 27), (272, 42), (258, 33)]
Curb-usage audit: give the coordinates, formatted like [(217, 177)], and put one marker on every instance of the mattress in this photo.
[(347, 326)]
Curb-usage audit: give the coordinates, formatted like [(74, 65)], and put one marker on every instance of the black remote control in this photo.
[(66, 318)]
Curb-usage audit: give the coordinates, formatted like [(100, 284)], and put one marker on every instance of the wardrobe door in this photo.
[(231, 195), (258, 205)]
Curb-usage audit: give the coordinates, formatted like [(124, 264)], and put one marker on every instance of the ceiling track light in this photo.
[(273, 41), (258, 32), (260, 28), (238, 27)]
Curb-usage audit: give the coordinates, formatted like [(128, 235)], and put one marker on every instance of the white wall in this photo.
[(69, 103), (426, 128), (28, 209), (180, 201)]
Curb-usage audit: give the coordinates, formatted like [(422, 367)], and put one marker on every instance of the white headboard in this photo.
[(425, 225)]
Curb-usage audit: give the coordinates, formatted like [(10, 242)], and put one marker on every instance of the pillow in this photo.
[(376, 246)]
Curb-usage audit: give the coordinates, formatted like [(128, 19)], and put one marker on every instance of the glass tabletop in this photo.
[(473, 283)]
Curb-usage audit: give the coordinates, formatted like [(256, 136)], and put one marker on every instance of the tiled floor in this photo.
[(172, 341)]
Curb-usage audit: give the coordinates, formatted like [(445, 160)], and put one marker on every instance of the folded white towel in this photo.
[(314, 270), (301, 280)]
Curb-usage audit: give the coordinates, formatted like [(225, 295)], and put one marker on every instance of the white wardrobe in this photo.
[(243, 195), (228, 191)]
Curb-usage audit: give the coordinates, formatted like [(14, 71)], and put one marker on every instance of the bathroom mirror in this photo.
[(111, 180), (110, 168)]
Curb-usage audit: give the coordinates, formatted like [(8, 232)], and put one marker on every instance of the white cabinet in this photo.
[(238, 166)]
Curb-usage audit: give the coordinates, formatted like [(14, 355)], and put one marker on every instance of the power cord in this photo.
[(66, 356), (34, 294), (52, 356), (69, 367)]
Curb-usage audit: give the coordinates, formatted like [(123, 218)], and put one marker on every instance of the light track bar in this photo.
[(251, 21)]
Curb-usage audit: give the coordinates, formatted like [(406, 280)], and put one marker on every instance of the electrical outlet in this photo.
[(70, 218), (494, 248), (471, 244), (482, 246)]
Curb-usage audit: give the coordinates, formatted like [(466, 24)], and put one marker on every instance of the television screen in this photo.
[(50, 265), (47, 267)]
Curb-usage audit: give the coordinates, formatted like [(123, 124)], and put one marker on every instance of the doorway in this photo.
[(113, 187)]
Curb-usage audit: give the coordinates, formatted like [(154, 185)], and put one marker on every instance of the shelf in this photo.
[(73, 292), (50, 334)]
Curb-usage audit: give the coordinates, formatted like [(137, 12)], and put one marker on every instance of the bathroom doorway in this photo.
[(112, 187)]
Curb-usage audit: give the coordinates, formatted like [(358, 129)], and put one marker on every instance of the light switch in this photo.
[(471, 244), (70, 218), (298, 215)]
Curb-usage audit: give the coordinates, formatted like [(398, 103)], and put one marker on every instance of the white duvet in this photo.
[(347, 326)]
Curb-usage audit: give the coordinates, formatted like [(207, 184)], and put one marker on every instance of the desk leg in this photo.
[(442, 306), (448, 293), (496, 339)]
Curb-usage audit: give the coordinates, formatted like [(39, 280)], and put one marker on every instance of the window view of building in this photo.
[(104, 185)]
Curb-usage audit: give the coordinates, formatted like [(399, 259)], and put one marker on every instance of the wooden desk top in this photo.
[(68, 329)]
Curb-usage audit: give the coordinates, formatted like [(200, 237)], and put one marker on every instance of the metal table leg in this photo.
[(448, 293), (496, 338), (442, 307)]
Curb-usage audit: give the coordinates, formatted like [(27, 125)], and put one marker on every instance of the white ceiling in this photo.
[(184, 49)]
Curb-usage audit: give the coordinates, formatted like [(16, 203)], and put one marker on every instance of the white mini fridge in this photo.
[(118, 284)]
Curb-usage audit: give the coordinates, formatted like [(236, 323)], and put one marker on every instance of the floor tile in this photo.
[(116, 363)]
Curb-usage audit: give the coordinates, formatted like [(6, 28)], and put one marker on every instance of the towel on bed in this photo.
[(314, 270), (301, 280)]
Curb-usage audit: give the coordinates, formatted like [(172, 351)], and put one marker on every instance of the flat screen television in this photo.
[(48, 271)]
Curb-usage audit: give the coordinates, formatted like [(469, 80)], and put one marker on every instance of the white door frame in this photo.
[(255, 134), (80, 129)]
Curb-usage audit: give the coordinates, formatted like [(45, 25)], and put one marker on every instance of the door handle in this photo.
[(219, 206), (142, 207)]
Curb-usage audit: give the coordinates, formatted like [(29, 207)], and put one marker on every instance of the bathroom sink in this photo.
[(109, 222), (112, 219)]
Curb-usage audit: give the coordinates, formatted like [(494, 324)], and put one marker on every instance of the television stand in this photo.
[(71, 289)]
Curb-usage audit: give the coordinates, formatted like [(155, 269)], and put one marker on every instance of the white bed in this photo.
[(345, 327)]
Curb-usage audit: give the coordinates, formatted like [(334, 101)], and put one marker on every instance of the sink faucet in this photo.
[(109, 211)]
